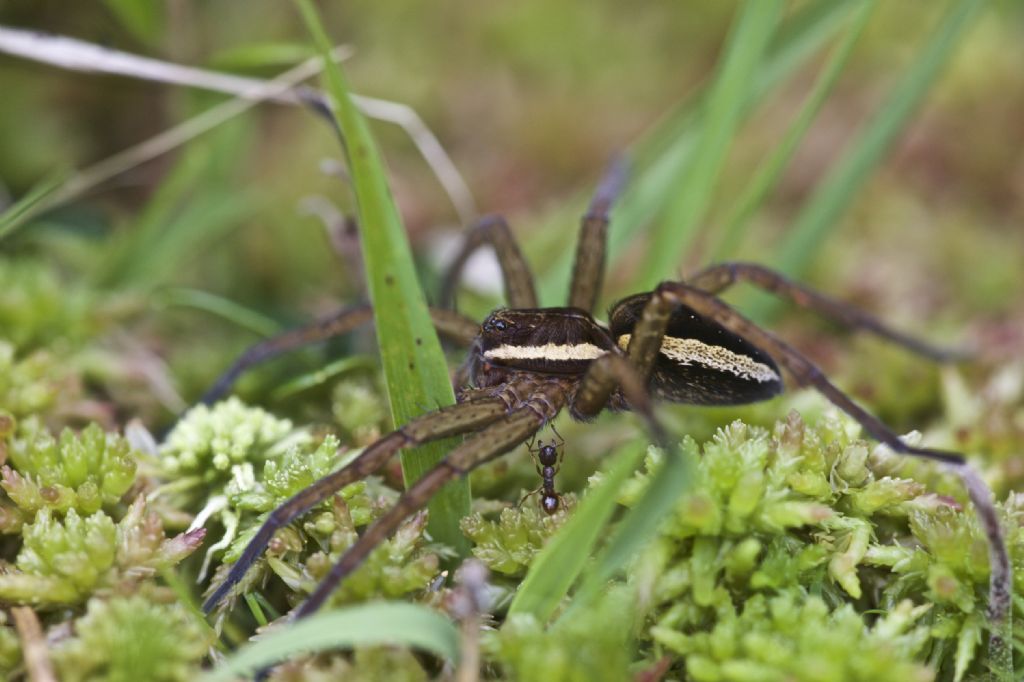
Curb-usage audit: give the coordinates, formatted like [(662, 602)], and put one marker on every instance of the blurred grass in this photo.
[(834, 194), (691, 190)]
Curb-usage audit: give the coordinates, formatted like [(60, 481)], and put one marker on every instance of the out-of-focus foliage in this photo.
[(804, 552)]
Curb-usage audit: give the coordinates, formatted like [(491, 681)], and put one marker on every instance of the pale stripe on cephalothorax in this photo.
[(548, 351), (692, 351)]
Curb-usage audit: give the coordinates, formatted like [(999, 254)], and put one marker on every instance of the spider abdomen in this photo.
[(700, 362)]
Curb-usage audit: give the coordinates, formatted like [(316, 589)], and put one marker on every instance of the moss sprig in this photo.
[(85, 471)]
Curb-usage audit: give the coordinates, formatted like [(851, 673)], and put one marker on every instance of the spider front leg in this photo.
[(588, 267), (493, 230), (495, 440), (450, 324), (650, 331), (448, 421), (718, 278)]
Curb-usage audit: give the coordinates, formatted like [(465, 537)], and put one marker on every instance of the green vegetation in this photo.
[(871, 148)]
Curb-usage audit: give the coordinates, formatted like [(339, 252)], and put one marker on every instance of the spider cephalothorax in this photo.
[(678, 343)]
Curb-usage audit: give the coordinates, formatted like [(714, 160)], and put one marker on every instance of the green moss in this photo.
[(85, 471), (208, 441), (508, 545), (32, 384), (36, 308), (65, 561), (797, 637), (133, 638)]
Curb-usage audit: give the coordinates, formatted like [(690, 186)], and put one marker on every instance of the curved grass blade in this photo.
[(557, 565), (224, 308), (414, 366), (18, 213), (673, 479), (720, 117), (770, 170), (322, 375), (375, 623), (835, 193)]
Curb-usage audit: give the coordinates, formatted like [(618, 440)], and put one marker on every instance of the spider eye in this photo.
[(500, 325)]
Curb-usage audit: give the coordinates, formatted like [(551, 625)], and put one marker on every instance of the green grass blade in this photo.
[(221, 307), (556, 567), (721, 115), (668, 485), (322, 375), (414, 366), (18, 213), (662, 154), (835, 193), (375, 623), (770, 171)]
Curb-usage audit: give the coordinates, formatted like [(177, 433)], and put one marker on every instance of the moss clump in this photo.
[(209, 441), (65, 561), (133, 638), (508, 545), (796, 637), (36, 308), (85, 471)]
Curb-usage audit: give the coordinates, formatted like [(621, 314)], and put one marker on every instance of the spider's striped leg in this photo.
[(491, 442), (670, 294), (717, 278), (493, 230), (588, 268), (450, 324), (448, 421)]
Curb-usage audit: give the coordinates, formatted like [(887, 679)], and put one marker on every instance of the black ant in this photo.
[(548, 460)]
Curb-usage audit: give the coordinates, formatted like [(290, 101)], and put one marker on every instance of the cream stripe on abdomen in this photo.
[(690, 351)]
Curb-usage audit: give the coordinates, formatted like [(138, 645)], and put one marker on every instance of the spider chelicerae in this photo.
[(677, 343)]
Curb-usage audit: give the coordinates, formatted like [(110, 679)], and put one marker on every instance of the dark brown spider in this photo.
[(677, 343)]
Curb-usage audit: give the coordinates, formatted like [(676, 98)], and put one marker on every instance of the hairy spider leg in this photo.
[(448, 421), (651, 329), (718, 278), (589, 264), (448, 323), (493, 230), (492, 441)]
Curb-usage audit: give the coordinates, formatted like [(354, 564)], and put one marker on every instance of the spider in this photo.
[(677, 343)]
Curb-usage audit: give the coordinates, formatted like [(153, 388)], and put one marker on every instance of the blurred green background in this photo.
[(530, 99)]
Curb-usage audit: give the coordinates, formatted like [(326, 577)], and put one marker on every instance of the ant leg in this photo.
[(492, 442), (652, 326), (717, 278), (493, 230), (588, 267), (450, 324), (448, 421)]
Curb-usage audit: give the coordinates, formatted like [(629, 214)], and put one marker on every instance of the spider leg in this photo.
[(717, 278), (448, 421), (493, 230), (612, 372), (588, 268), (651, 328), (452, 325), (493, 441)]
